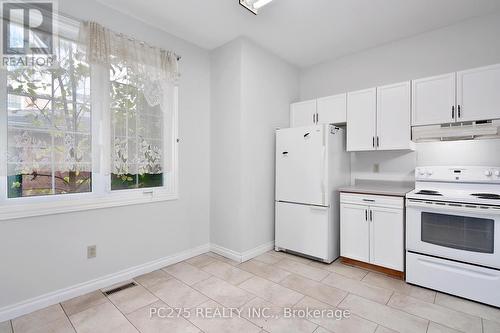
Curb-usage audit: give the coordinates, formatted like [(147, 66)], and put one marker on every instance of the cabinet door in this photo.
[(303, 113), (478, 94), (393, 116), (361, 119), (433, 100), (354, 232), (332, 109), (387, 237)]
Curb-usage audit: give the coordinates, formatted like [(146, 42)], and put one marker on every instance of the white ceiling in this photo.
[(303, 32)]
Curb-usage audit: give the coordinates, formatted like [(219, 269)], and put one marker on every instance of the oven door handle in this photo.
[(454, 208)]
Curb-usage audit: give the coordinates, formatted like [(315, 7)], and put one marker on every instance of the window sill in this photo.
[(17, 210)]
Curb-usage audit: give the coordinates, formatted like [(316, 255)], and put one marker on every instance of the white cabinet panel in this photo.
[(478, 94), (354, 232), (303, 113), (332, 109), (433, 99), (387, 237), (303, 229), (372, 231), (297, 181), (361, 119), (393, 117)]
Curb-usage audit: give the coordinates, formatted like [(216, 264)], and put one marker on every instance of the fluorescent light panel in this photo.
[(254, 5)]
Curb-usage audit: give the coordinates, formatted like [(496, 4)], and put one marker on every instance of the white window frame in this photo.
[(101, 195)]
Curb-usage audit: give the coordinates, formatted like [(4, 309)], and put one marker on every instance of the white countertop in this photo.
[(379, 187)]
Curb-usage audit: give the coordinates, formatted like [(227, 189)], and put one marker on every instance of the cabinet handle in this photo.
[(369, 200), (378, 142), (459, 112), (317, 118), (453, 112), (314, 118), (371, 216), (366, 214), (373, 141)]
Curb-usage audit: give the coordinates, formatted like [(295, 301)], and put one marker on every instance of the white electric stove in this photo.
[(453, 231)]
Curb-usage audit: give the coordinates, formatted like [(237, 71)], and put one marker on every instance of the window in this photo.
[(137, 134), (48, 123), (80, 135)]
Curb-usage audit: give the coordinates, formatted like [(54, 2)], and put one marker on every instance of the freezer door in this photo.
[(301, 165), (304, 229)]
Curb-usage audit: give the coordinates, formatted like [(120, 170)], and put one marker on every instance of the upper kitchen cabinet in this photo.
[(469, 95), (361, 119), (393, 117), (303, 113), (433, 100), (332, 109), (379, 118), (478, 94)]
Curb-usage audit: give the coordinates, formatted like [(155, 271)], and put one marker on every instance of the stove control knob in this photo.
[(421, 172), (429, 173), (488, 173), (497, 173)]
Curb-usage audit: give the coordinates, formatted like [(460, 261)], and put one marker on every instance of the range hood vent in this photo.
[(487, 129)]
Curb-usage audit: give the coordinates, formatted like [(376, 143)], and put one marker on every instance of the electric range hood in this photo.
[(487, 129)]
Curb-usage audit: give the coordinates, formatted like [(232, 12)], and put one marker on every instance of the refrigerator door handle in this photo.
[(319, 208), (325, 169)]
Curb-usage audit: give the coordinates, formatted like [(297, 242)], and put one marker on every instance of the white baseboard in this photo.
[(225, 252), (257, 251), (40, 302), (242, 256)]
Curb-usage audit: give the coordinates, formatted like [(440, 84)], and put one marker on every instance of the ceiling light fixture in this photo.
[(254, 5)]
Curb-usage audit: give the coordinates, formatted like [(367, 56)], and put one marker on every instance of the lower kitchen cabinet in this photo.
[(355, 234), (387, 237), (372, 229)]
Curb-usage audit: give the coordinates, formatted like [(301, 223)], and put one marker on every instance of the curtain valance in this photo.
[(153, 67)]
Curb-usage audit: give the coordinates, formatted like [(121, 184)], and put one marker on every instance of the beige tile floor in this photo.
[(189, 291)]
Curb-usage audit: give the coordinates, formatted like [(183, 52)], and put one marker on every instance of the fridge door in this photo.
[(301, 165), (304, 229)]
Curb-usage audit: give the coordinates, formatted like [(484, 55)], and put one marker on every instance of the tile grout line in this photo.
[(161, 300), (442, 324), (66, 314), (123, 314)]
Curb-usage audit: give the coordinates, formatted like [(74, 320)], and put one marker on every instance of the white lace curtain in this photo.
[(154, 68), (136, 134)]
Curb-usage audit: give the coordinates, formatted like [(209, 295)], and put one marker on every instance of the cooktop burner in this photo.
[(429, 192), (489, 196)]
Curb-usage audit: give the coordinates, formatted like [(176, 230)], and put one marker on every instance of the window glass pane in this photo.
[(458, 232), (49, 124), (137, 134)]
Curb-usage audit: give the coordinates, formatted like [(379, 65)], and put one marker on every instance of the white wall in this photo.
[(269, 85), (44, 254), (465, 45), (251, 93), (225, 162)]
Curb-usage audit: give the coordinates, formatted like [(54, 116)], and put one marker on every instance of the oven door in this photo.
[(454, 231)]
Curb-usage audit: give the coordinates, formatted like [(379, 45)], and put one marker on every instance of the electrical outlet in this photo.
[(376, 168), (91, 251)]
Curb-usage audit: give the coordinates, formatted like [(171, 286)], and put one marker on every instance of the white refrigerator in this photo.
[(311, 163)]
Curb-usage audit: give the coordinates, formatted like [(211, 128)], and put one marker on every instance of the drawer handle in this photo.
[(369, 200)]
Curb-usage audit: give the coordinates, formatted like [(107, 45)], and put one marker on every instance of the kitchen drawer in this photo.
[(473, 282), (372, 200)]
